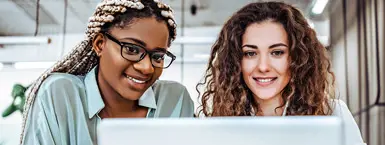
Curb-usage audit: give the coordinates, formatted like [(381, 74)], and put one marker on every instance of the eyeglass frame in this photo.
[(122, 44)]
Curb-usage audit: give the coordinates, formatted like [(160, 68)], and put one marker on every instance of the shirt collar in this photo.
[(95, 101)]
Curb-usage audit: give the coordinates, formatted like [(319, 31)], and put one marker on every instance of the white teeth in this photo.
[(135, 80), (264, 80)]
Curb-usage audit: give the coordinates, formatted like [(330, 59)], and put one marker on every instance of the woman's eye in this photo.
[(249, 54), (277, 53), (158, 58), (132, 50)]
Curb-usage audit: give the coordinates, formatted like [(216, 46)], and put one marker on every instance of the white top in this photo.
[(351, 130)]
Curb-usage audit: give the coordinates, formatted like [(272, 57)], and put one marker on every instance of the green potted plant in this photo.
[(18, 95)]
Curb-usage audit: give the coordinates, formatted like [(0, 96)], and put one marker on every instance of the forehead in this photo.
[(265, 33), (152, 32)]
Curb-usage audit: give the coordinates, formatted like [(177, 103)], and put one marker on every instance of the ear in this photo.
[(99, 43)]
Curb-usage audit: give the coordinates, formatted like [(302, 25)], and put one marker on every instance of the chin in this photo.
[(265, 95), (132, 95)]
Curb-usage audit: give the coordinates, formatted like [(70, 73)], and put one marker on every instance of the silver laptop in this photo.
[(222, 131)]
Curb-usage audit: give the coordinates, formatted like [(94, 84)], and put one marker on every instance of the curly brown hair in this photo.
[(312, 82)]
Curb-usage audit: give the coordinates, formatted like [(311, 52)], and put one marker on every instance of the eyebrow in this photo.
[(271, 46), (142, 43)]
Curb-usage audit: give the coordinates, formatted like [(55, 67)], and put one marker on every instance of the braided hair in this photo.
[(108, 14)]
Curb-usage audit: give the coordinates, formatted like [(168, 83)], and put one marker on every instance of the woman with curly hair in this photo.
[(112, 73), (267, 61)]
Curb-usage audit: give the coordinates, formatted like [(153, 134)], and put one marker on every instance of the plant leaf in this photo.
[(12, 108)]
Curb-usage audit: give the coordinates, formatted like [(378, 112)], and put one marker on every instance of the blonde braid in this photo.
[(82, 58)]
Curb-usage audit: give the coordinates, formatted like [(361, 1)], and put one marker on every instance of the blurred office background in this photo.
[(353, 31)]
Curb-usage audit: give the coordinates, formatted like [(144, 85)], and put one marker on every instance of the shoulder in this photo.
[(61, 80), (173, 99), (60, 90), (166, 84), (57, 102), (340, 109), (169, 88)]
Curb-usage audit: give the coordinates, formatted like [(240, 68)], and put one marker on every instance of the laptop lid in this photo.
[(222, 131)]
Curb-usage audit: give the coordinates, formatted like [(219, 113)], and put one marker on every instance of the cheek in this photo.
[(282, 67), (157, 73), (247, 66), (109, 53), (115, 63)]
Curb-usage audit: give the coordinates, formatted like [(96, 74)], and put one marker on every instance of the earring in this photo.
[(98, 54)]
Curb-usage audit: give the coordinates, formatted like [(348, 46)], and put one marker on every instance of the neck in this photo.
[(115, 104), (268, 106)]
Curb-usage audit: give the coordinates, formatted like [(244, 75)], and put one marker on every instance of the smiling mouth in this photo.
[(265, 81), (139, 81)]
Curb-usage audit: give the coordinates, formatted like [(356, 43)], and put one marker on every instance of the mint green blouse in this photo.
[(66, 108)]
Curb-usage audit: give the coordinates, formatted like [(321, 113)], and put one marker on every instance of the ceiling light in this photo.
[(33, 65), (194, 40), (24, 40)]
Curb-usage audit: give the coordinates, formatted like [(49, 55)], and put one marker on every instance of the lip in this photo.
[(138, 77), (265, 81), (133, 82)]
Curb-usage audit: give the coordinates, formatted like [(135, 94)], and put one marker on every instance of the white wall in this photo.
[(10, 126)]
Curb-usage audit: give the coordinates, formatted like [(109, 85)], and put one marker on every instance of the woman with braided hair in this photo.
[(267, 61), (113, 73)]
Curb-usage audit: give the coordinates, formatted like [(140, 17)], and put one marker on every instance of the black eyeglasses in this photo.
[(133, 52)]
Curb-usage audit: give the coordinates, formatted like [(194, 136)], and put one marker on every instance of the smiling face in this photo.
[(130, 79), (265, 62)]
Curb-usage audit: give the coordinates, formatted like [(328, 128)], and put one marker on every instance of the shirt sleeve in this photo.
[(352, 132), (41, 127), (187, 103), (52, 118)]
